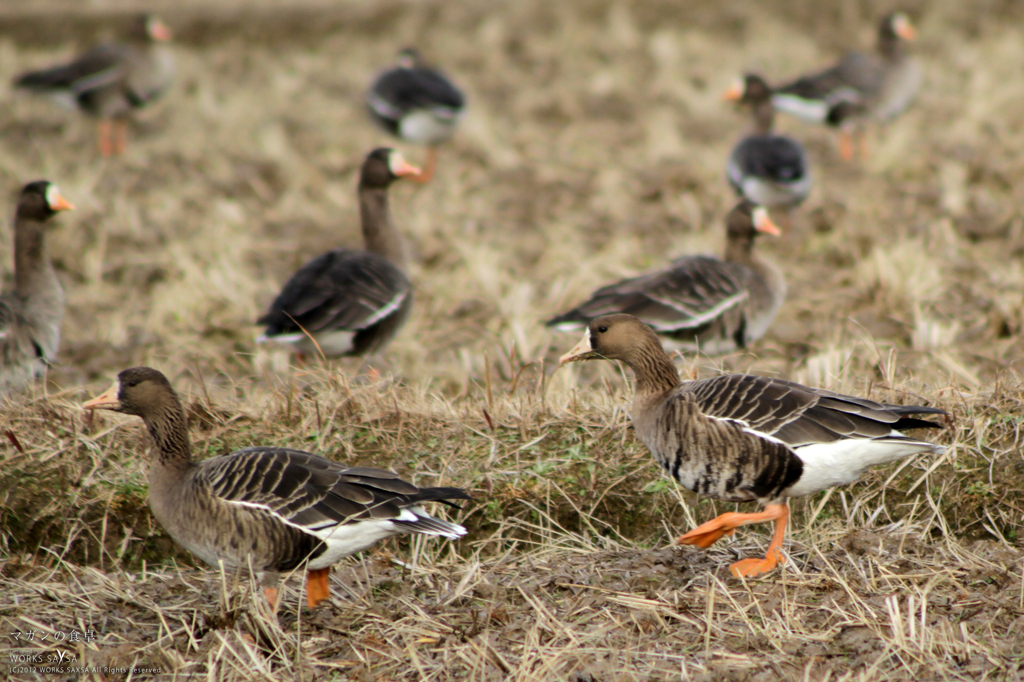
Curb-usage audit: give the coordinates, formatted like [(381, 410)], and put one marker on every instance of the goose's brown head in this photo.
[(750, 89), (141, 391), (41, 200), (895, 27), (613, 337), (410, 58), (747, 220), (148, 28), (383, 166)]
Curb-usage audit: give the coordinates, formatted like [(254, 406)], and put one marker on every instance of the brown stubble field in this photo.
[(594, 149)]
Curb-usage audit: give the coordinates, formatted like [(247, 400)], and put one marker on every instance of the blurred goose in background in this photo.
[(273, 508), (743, 438), (700, 303), (878, 86), (111, 80), (418, 104), (767, 169), (31, 314), (349, 302)]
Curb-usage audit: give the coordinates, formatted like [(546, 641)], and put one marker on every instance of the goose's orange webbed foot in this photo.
[(749, 568), (707, 534), (271, 594), (318, 586)]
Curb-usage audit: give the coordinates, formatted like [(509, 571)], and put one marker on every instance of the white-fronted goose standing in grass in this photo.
[(418, 104), (31, 314), (348, 302), (273, 508), (879, 85), (768, 169), (111, 80), (743, 438), (698, 302)]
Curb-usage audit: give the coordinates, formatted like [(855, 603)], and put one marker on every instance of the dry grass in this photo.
[(594, 149)]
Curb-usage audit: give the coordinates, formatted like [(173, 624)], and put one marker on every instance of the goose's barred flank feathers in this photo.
[(270, 507), (745, 438), (699, 302)]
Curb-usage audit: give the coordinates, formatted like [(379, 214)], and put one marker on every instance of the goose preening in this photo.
[(861, 85), (699, 302), (272, 508), (744, 438), (111, 80), (348, 302), (418, 104), (31, 314), (768, 169)]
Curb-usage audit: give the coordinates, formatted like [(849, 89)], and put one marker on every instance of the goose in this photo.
[(768, 169), (417, 103), (700, 303), (273, 508), (111, 80), (879, 86), (31, 314), (347, 302), (744, 438)]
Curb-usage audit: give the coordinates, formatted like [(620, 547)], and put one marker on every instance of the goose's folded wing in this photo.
[(402, 90), (692, 292), (340, 290), (101, 66), (311, 492), (771, 156), (799, 415)]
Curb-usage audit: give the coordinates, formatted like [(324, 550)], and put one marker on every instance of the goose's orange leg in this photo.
[(104, 131), (428, 167), (709, 533), (845, 145), (318, 586), (120, 141), (271, 594), (862, 145)]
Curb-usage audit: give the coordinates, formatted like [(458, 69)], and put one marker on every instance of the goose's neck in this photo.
[(655, 373), (379, 231), (33, 273), (891, 49), (172, 449), (764, 117), (740, 250)]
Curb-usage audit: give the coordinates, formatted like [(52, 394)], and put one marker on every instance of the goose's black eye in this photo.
[(133, 383), (602, 329)]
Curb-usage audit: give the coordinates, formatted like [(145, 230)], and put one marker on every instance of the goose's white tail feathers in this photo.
[(844, 461)]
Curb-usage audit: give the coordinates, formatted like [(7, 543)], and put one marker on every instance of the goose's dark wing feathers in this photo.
[(799, 415), (310, 491), (405, 90), (340, 290), (771, 156), (856, 75), (99, 67), (675, 299)]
